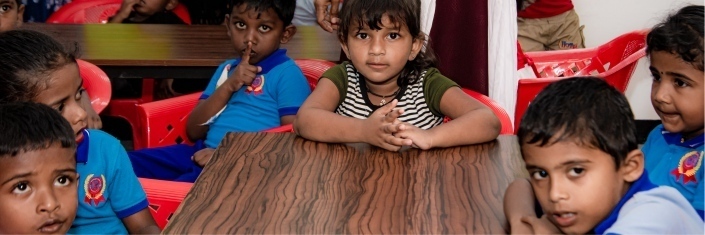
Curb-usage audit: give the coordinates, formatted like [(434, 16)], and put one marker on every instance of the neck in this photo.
[(692, 134)]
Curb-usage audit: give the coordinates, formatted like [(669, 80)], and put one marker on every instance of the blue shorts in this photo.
[(171, 163)]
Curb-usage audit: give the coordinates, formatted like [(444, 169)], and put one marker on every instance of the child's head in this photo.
[(38, 176), (383, 39), (11, 13), (578, 140), (151, 7), (675, 48), (264, 23), (34, 67)]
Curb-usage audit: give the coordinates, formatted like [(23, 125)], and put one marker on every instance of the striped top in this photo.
[(420, 100)]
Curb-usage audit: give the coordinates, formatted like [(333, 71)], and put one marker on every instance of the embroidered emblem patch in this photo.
[(688, 166), (256, 85), (94, 187)]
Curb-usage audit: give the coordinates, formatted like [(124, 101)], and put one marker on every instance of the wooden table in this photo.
[(278, 183), (171, 51)]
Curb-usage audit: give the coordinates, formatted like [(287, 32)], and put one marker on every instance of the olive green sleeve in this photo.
[(435, 85), (338, 75)]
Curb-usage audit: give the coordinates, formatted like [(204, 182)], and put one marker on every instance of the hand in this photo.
[(127, 7), (519, 227), (202, 157), (164, 89), (541, 225), (381, 126), (92, 118), (420, 138), (328, 20), (244, 73)]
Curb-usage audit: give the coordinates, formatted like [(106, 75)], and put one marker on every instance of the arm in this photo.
[(124, 12), (93, 119), (518, 203), (317, 121), (141, 223)]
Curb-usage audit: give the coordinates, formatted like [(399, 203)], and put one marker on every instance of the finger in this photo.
[(390, 147), (246, 55), (321, 8), (391, 128), (529, 219), (334, 11), (394, 140), (388, 107), (393, 115)]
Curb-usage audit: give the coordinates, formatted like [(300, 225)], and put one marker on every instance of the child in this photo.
[(147, 12), (262, 89), (37, 170), (674, 150), (548, 25), (389, 70), (11, 12), (34, 67), (578, 139)]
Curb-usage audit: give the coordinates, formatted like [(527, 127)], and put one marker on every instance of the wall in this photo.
[(607, 19)]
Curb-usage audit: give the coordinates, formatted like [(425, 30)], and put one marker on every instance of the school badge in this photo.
[(256, 85), (94, 187), (688, 166)]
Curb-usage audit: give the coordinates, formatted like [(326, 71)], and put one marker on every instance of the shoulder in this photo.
[(99, 137), (661, 210)]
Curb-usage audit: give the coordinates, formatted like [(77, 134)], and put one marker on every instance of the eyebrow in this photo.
[(654, 70), (73, 170), (567, 163), (17, 177)]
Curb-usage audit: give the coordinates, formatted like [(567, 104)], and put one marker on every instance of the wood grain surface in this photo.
[(278, 183)]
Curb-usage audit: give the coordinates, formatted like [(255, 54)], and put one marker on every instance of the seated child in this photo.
[(390, 95), (36, 68), (260, 90), (147, 12), (38, 174), (673, 151), (578, 140)]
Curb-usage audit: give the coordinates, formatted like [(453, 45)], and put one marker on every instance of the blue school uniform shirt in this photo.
[(279, 90), (108, 189), (650, 209), (676, 164)]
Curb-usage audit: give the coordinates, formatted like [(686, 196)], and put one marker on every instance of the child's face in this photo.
[(150, 7), (576, 186), (264, 30), (677, 93), (63, 94), (380, 55), (38, 191), (10, 15)]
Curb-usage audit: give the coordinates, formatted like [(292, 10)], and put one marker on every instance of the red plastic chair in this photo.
[(614, 61), (96, 83), (164, 122), (496, 109), (164, 198), (98, 11)]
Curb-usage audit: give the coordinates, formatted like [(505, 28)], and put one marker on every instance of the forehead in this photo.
[(564, 152), (246, 11), (363, 22), (41, 161), (12, 2), (61, 83), (667, 61)]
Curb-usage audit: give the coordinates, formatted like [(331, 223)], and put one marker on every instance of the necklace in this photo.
[(384, 97)]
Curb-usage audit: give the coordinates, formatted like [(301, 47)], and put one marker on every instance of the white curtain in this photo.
[(502, 51)]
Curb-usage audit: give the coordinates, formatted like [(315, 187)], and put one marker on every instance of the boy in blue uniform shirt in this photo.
[(578, 139), (262, 89), (674, 150)]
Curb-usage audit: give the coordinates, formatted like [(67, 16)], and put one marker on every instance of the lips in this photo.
[(79, 135), (51, 226), (564, 219), (377, 65)]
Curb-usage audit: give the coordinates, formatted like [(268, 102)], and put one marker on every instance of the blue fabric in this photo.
[(171, 163), (284, 89), (108, 188), (640, 185), (664, 155), (40, 10)]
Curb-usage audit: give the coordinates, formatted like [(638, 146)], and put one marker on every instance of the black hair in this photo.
[(586, 110), (283, 8), (26, 59), (28, 126), (680, 34), (400, 12)]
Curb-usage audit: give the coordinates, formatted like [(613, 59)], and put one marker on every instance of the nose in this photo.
[(47, 202), (557, 192), (76, 115), (377, 47), (660, 93), (250, 36)]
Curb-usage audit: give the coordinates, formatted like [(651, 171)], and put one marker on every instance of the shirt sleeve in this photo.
[(435, 85), (127, 196), (338, 76), (214, 79), (646, 148), (698, 199), (292, 90)]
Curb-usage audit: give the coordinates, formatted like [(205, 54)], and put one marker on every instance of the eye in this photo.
[(576, 171), (394, 36), (20, 188), (79, 94), (680, 83), (539, 175), (60, 107), (239, 25), (361, 35), (656, 77), (5, 8), (63, 180), (264, 28)]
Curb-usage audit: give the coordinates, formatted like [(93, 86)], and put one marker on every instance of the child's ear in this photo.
[(227, 24), (171, 5), (20, 15), (345, 49), (289, 32), (632, 166), (416, 46)]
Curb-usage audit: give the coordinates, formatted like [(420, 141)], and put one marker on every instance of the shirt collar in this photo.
[(675, 139), (276, 58), (640, 185), (82, 149)]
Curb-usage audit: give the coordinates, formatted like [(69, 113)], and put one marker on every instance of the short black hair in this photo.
[(27, 58), (680, 34), (283, 8), (27, 126), (586, 110)]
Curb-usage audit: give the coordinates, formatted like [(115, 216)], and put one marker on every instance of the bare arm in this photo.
[(518, 203), (92, 118), (124, 12), (141, 223)]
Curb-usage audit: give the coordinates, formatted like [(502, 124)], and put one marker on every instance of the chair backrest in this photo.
[(496, 109), (313, 69), (614, 61), (96, 83), (98, 11), (164, 198)]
